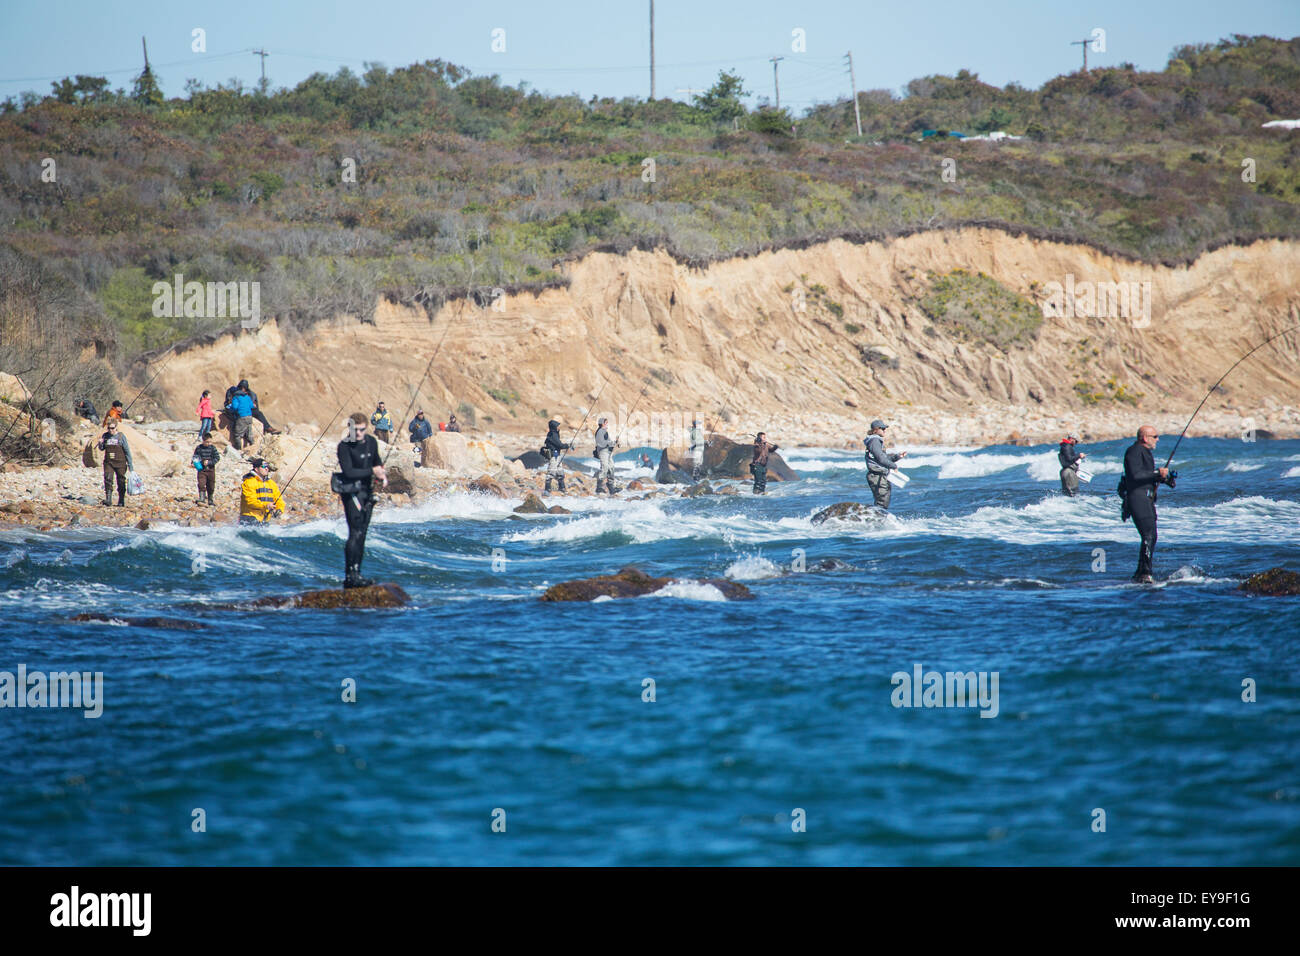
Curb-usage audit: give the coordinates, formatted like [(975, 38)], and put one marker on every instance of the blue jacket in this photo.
[(242, 405), (420, 429)]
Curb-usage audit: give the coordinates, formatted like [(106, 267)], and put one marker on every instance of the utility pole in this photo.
[(263, 54), (776, 82), (1084, 44), (652, 49), (691, 91), (853, 85), (144, 46)]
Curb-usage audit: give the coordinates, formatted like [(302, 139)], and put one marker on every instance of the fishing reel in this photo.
[(1170, 478)]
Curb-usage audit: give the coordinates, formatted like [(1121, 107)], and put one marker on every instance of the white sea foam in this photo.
[(752, 567), (1242, 466), (690, 591), (1292, 472)]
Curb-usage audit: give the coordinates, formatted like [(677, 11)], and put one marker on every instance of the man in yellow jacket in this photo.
[(260, 498)]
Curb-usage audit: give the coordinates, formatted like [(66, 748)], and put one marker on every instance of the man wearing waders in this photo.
[(1069, 457), (758, 467), (117, 462), (605, 456), (879, 463), (696, 450), (1139, 490), (553, 450), (359, 465)]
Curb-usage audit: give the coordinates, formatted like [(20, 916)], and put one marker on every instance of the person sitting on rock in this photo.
[(260, 498), (758, 467), (117, 460), (257, 408), (452, 424), (85, 409), (114, 414), (241, 410), (206, 456), (420, 428), (553, 449)]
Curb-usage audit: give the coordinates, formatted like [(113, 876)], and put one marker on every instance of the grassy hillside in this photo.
[(463, 184)]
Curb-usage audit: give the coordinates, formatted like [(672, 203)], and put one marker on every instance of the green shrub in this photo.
[(977, 308)]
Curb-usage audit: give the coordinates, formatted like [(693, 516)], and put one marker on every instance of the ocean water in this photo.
[(772, 737)]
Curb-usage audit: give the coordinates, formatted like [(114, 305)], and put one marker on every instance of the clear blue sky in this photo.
[(601, 46)]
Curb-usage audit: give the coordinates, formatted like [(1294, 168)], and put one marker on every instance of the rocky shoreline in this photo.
[(69, 495)]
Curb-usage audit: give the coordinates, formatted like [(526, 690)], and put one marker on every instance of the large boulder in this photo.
[(723, 458), (12, 390), (632, 582), (531, 460), (446, 450), (149, 457), (1275, 582), (484, 457), (849, 511)]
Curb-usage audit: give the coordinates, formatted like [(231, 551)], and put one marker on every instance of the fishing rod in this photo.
[(577, 430), (150, 382), (734, 382), (630, 414), (324, 432), (1219, 382), (416, 393)]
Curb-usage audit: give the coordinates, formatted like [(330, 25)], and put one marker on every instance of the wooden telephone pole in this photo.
[(776, 82), (1084, 44), (652, 49), (853, 85)]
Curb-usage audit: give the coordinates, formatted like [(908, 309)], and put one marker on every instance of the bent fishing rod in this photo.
[(416, 394), (1219, 382), (576, 431)]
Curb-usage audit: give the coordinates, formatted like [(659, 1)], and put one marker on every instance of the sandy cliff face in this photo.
[(691, 333)]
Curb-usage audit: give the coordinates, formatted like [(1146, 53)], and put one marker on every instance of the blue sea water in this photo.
[(482, 702)]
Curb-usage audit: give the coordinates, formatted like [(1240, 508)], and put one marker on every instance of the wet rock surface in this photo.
[(849, 511), (1275, 582), (386, 595), (169, 623), (532, 505), (633, 582)]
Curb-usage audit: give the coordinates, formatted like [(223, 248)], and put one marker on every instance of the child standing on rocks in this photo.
[(206, 417), (205, 460)]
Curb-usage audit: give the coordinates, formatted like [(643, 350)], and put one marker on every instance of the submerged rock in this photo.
[(377, 595), (170, 623), (557, 510), (632, 582), (532, 505), (1275, 582), (486, 485), (695, 491), (849, 511)]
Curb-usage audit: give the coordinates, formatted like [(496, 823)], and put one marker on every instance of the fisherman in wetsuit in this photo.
[(879, 464), (359, 465), (553, 449), (605, 456), (1069, 457), (758, 467), (1139, 490)]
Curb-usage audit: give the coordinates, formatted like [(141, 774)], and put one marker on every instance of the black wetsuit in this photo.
[(1069, 456), (1140, 480), (356, 459)]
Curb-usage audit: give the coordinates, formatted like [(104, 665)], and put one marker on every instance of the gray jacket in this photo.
[(603, 441), (879, 462)]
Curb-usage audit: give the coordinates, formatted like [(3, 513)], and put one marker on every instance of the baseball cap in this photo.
[(878, 424)]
